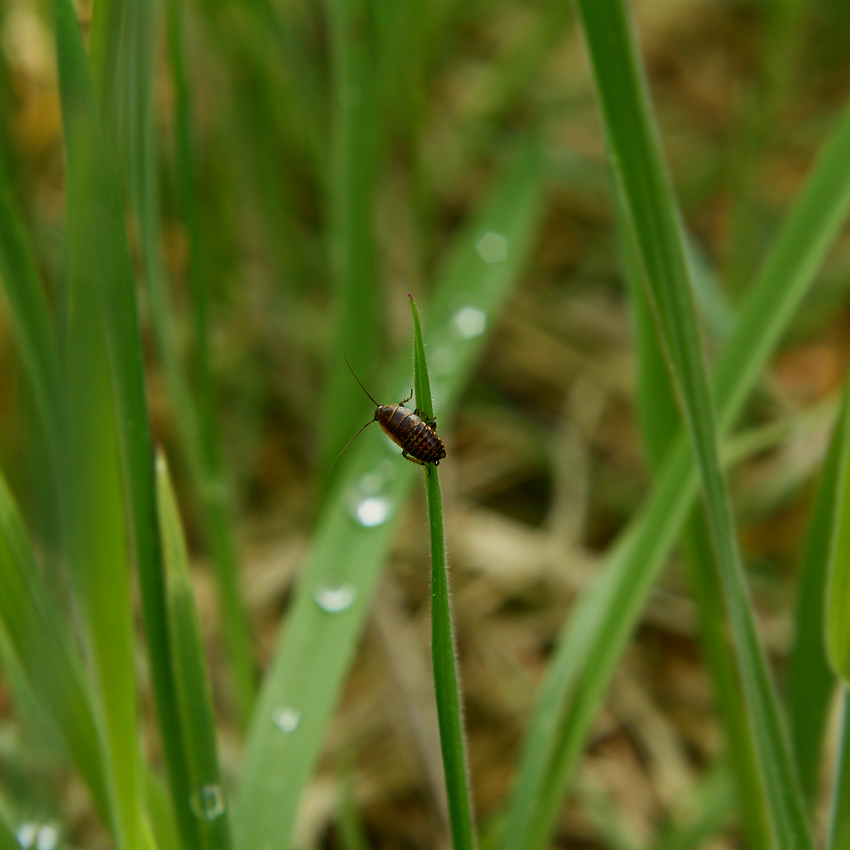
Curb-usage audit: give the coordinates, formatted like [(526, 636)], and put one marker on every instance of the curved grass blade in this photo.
[(811, 682), (652, 221), (443, 653), (593, 640), (839, 826), (193, 689), (359, 518), (44, 650)]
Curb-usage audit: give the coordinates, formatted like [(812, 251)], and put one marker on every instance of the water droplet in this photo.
[(286, 718), (470, 321), (208, 802), (368, 503), (492, 247), (26, 834), (47, 839), (33, 836), (334, 597)]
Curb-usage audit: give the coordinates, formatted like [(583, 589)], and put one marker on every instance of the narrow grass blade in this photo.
[(44, 650), (443, 652), (8, 839), (811, 682), (594, 638), (358, 521), (355, 133), (193, 688), (196, 413), (839, 826), (29, 313), (124, 57), (109, 451), (660, 426), (652, 221)]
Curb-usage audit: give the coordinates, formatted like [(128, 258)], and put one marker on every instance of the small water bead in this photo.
[(33, 836), (493, 247), (286, 718), (208, 802), (368, 503), (470, 321), (334, 597)]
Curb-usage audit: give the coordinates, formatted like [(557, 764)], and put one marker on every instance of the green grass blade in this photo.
[(653, 223), (44, 649), (660, 425), (443, 652), (109, 446), (811, 682), (838, 582), (839, 826), (357, 525), (355, 135), (193, 688), (595, 637), (196, 415), (29, 312), (8, 839)]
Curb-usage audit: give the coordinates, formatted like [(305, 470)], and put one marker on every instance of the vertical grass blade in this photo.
[(45, 650), (839, 826), (811, 682), (660, 426), (195, 409), (100, 255), (349, 546), (355, 132), (443, 652), (653, 224), (193, 689), (594, 638)]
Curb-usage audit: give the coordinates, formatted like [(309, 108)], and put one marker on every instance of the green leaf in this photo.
[(443, 650)]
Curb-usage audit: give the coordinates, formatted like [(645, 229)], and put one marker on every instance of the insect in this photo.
[(413, 432)]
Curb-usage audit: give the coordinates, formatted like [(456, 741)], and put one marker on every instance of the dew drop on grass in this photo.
[(470, 321), (207, 802), (286, 718), (368, 503), (492, 247), (335, 596)]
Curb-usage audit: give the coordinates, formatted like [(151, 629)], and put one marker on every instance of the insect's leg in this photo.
[(431, 423), (418, 462), (404, 401)]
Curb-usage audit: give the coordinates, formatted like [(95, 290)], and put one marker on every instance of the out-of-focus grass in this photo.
[(259, 203)]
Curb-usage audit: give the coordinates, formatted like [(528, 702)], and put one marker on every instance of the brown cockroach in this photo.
[(413, 432)]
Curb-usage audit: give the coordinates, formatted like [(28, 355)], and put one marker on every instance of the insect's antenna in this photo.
[(363, 388), (352, 439)]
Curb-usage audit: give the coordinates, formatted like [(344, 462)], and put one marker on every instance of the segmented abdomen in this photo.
[(407, 430)]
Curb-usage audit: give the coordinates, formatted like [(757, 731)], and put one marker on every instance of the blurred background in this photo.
[(339, 151)]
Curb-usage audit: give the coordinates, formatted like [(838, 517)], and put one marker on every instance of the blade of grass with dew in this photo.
[(839, 825), (109, 451), (811, 681), (45, 649), (660, 424), (359, 518), (443, 654), (193, 688), (594, 638), (652, 221)]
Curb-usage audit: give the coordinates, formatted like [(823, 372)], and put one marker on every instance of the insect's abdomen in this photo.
[(417, 438)]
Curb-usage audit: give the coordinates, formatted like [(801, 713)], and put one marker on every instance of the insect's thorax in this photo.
[(397, 421)]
